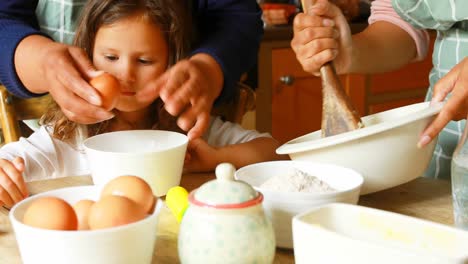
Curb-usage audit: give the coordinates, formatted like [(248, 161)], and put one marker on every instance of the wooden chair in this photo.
[(13, 110), (243, 102)]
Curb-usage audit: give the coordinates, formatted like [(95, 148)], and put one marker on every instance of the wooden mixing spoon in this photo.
[(338, 113)]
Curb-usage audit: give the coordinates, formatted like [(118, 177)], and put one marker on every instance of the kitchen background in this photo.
[(289, 100)]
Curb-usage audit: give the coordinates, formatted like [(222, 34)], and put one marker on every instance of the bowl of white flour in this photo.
[(293, 187)]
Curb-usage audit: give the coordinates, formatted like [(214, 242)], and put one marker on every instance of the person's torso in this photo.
[(59, 18), (449, 19)]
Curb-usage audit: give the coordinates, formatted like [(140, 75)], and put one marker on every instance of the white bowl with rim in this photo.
[(384, 151), (131, 243), (282, 206), (157, 156), (343, 233)]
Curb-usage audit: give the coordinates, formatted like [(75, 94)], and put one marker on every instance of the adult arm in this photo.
[(17, 21), (388, 38), (35, 64), (388, 43), (230, 31)]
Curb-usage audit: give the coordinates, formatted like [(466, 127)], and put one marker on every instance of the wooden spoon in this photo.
[(338, 113)]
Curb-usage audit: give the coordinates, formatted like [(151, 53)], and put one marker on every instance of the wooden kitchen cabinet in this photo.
[(296, 97), (289, 100)]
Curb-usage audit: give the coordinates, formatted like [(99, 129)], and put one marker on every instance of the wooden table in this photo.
[(423, 198)]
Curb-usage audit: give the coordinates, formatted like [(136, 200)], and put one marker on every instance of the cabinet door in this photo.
[(405, 86), (296, 97)]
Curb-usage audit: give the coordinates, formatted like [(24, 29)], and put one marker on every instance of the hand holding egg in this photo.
[(108, 87)]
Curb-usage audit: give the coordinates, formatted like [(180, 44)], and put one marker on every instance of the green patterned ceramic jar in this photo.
[(225, 223)]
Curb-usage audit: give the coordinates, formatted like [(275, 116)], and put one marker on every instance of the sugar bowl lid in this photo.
[(225, 192)]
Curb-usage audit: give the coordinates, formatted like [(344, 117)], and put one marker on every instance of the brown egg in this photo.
[(108, 87), (113, 210), (82, 211), (51, 213), (132, 187)]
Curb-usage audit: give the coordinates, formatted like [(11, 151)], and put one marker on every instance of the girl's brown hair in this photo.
[(170, 15)]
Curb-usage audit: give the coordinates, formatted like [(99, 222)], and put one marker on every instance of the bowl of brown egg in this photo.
[(293, 187), (88, 224)]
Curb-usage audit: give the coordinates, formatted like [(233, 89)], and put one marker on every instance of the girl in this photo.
[(36, 34), (396, 36), (134, 41)]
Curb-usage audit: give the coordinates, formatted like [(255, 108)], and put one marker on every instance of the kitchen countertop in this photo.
[(424, 198)]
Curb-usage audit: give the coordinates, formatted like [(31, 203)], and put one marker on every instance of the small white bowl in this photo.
[(344, 233), (157, 156), (384, 151), (280, 207), (132, 243)]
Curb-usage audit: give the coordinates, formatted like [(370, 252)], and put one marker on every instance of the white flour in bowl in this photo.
[(296, 181)]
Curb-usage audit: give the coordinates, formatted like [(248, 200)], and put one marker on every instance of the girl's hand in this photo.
[(320, 36), (12, 186), (200, 157), (456, 107)]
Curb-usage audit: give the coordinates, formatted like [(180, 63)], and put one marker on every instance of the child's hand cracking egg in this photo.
[(132, 187), (108, 87), (51, 213)]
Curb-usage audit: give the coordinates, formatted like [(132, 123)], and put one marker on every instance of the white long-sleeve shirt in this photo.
[(47, 157)]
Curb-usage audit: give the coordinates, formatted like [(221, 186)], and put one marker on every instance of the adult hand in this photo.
[(67, 66), (322, 34), (63, 71), (188, 90), (456, 107), (12, 186)]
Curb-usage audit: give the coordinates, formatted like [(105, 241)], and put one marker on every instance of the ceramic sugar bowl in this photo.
[(225, 223)]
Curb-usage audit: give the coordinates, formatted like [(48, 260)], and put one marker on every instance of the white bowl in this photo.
[(280, 207), (343, 233), (157, 156), (132, 243), (384, 151)]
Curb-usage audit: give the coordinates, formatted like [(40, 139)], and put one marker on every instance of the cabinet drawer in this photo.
[(376, 108), (284, 62), (296, 97), (412, 77)]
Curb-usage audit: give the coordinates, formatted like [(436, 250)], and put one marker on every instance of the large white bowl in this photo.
[(132, 243), (280, 207), (384, 151), (344, 233), (157, 156)]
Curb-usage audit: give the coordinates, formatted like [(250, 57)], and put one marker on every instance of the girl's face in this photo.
[(135, 51)]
